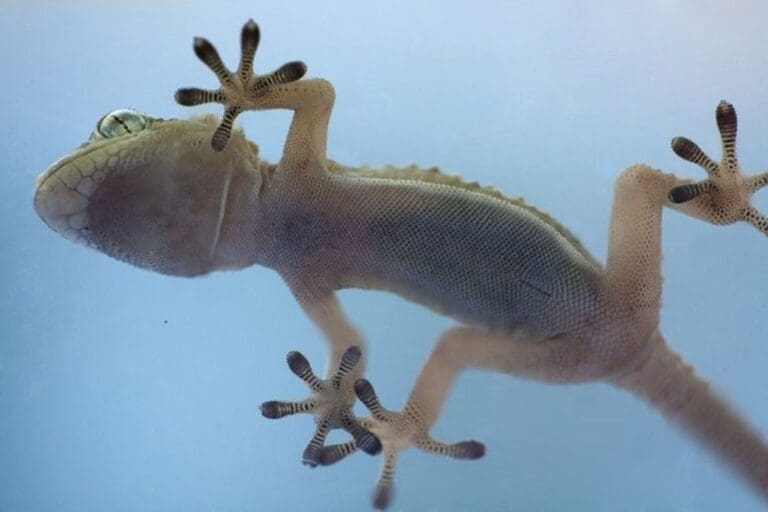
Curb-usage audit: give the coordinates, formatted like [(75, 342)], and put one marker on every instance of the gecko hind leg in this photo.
[(239, 89), (724, 195), (397, 431), (324, 404), (557, 359)]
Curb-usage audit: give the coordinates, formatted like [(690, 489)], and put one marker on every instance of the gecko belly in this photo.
[(482, 261)]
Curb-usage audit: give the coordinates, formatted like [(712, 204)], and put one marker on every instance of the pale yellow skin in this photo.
[(161, 198)]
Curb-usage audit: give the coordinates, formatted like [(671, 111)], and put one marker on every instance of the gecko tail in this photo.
[(672, 387)]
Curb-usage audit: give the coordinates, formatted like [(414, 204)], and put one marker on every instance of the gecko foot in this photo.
[(330, 403), (237, 89), (397, 432), (725, 194)]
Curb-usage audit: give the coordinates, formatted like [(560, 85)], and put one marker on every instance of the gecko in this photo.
[(188, 197)]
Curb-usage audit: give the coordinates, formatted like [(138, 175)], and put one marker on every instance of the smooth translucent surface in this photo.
[(125, 390)]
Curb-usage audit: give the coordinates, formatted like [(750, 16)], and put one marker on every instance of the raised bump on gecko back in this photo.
[(397, 432), (325, 404), (727, 190), (236, 88)]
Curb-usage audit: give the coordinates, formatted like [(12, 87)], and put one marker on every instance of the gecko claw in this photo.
[(330, 403), (725, 194), (240, 88)]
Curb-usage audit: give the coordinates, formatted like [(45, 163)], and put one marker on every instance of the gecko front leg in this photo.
[(311, 100), (332, 398), (633, 281), (633, 268)]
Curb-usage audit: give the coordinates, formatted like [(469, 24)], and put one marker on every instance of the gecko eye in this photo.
[(120, 122)]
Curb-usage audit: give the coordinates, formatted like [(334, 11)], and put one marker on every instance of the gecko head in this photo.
[(147, 191)]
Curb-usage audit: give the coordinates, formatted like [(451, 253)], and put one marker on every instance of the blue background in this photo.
[(125, 390)]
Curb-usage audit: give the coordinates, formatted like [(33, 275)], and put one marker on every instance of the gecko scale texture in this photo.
[(187, 197)]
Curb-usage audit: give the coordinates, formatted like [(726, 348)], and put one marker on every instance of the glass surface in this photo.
[(126, 390)]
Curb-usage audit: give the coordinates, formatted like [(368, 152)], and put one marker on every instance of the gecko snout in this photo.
[(61, 199)]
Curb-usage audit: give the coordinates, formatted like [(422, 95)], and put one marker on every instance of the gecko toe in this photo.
[(312, 456), (271, 409), (288, 72), (364, 438), (688, 150), (369, 443), (334, 453), (249, 42), (191, 96), (382, 497), (276, 409), (221, 135), (725, 115), (684, 193)]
